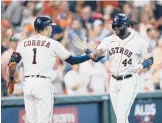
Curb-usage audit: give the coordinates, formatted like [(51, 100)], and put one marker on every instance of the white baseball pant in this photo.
[(38, 97), (122, 94)]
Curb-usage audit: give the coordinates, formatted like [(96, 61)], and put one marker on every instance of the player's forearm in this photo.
[(12, 71), (148, 62), (15, 58), (77, 59)]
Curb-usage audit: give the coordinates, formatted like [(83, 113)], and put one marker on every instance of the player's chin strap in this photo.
[(148, 62)]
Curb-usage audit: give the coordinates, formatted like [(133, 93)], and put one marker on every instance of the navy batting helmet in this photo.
[(41, 22), (120, 19)]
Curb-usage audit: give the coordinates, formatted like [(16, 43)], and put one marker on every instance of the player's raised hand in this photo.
[(79, 43), (97, 53)]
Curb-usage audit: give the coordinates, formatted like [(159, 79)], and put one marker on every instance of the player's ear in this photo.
[(46, 28)]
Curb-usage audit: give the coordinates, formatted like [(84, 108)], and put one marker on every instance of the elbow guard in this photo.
[(15, 58), (151, 61), (148, 62)]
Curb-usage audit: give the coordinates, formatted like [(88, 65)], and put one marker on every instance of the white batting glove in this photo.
[(80, 44)]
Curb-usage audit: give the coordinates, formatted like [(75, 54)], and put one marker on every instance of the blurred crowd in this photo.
[(89, 19)]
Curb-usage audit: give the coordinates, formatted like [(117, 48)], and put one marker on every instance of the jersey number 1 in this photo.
[(34, 56)]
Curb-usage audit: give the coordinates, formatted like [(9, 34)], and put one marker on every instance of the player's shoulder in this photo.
[(139, 38), (21, 42), (108, 39), (55, 43), (47, 39), (28, 39)]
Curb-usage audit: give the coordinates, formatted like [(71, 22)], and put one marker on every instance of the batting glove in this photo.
[(80, 44), (11, 86), (97, 53)]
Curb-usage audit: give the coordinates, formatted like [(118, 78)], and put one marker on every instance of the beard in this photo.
[(121, 32)]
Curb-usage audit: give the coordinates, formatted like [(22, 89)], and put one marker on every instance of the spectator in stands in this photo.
[(146, 81), (50, 8), (107, 12), (30, 13), (135, 25), (97, 33), (107, 17), (5, 37), (147, 20), (28, 30), (95, 5), (5, 57), (152, 37), (157, 66), (4, 5), (158, 14), (57, 79), (75, 83), (63, 18), (14, 13), (126, 8), (86, 16), (76, 30), (129, 9), (96, 76)]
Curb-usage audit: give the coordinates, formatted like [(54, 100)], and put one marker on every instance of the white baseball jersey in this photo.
[(125, 54), (38, 56), (39, 53)]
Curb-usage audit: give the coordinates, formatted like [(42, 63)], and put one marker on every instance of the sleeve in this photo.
[(60, 51), (146, 50), (103, 45)]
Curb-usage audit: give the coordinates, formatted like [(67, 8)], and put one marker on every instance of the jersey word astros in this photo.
[(125, 54)]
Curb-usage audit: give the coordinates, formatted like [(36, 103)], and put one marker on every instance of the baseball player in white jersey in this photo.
[(38, 54), (125, 48)]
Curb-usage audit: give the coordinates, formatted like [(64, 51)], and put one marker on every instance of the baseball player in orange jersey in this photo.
[(38, 54), (125, 48)]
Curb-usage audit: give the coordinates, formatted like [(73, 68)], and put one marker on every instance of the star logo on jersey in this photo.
[(115, 19)]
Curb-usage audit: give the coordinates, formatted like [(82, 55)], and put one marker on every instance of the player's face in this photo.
[(119, 29)]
